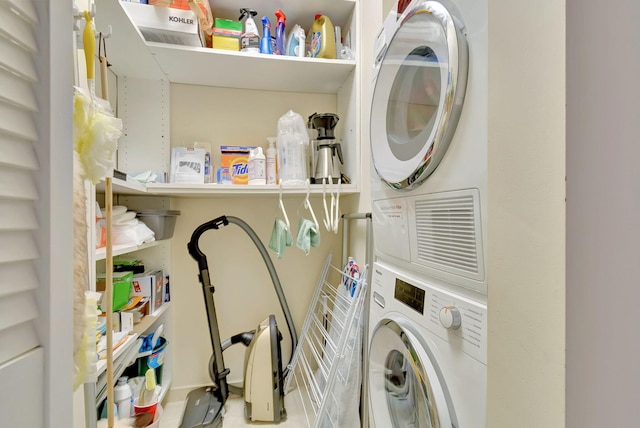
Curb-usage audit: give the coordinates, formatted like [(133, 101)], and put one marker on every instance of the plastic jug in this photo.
[(291, 146), (323, 38), (122, 398)]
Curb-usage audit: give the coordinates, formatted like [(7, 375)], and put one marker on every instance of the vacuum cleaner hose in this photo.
[(274, 279)]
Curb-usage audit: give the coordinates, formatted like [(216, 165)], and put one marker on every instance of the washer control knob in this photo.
[(450, 318)]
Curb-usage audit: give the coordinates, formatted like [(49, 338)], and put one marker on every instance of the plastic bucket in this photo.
[(162, 222), (154, 360)]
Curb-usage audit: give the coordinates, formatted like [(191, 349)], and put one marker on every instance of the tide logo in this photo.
[(239, 171)]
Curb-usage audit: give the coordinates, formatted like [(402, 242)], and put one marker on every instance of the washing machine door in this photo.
[(421, 78), (406, 388)]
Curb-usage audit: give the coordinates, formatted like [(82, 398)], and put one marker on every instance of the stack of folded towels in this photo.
[(126, 228)]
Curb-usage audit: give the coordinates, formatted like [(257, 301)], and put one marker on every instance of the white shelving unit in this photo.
[(277, 73), (145, 71), (119, 250)]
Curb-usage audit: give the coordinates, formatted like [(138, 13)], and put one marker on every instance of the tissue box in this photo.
[(164, 24), (150, 284)]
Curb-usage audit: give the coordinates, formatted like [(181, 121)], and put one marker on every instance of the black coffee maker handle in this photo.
[(338, 148)]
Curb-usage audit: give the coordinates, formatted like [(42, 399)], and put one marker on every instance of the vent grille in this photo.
[(447, 234)]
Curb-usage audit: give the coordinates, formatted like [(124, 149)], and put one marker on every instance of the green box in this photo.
[(227, 28), (122, 282)]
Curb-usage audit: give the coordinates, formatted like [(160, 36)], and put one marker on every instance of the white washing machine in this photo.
[(427, 353), (429, 139)]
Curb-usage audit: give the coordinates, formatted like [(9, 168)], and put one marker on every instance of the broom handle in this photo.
[(109, 258), (89, 41), (103, 77)]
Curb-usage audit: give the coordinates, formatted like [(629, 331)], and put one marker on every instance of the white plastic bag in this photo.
[(291, 145)]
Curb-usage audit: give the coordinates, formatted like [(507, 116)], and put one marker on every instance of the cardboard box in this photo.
[(226, 43), (227, 27), (150, 284), (164, 24), (122, 282), (236, 159)]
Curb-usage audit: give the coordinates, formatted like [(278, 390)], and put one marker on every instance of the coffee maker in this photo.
[(326, 153)]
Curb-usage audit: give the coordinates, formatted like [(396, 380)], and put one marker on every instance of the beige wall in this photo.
[(244, 293), (526, 259)]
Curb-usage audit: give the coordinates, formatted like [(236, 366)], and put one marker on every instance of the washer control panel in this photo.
[(458, 319)]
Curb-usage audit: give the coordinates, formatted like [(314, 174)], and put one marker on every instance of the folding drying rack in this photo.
[(327, 365)]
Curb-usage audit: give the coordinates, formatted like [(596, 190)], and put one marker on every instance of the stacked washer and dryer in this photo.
[(428, 308)]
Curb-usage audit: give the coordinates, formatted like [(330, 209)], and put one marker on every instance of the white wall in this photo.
[(526, 261), (603, 203)]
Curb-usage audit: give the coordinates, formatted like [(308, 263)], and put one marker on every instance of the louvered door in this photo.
[(29, 321)]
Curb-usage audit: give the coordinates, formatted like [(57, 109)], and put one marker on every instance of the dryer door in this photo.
[(418, 94), (406, 388)]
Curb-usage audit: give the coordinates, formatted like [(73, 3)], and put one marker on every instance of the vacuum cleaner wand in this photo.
[(220, 372)]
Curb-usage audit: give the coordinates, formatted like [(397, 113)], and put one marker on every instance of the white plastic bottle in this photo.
[(122, 398), (271, 162), (257, 167)]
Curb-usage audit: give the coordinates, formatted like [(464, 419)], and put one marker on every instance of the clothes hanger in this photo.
[(328, 216), (336, 217), (307, 205), (282, 209)]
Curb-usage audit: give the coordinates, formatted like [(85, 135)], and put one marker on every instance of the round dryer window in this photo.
[(405, 386), (418, 94)]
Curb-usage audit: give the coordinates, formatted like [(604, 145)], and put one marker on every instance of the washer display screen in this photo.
[(410, 295)]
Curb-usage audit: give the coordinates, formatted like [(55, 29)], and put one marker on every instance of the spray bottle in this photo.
[(265, 41), (250, 39), (281, 38), (271, 161)]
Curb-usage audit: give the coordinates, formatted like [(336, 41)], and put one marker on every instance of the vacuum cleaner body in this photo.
[(263, 380), (263, 372)]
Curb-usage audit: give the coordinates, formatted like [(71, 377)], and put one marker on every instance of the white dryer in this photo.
[(427, 354), (429, 139)]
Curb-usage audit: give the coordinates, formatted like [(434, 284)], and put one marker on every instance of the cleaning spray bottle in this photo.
[(271, 161), (323, 38), (280, 34), (296, 42), (250, 39), (265, 41)]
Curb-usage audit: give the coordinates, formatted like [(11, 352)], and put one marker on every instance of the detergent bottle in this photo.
[(323, 38), (265, 41), (280, 34), (250, 39)]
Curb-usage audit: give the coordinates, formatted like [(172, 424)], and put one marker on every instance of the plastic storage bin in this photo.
[(149, 359), (162, 222)]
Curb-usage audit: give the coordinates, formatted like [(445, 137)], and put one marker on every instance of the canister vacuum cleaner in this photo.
[(263, 369)]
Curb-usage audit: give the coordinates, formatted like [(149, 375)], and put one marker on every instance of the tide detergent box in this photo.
[(236, 160)]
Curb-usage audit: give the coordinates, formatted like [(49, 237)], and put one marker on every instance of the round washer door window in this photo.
[(405, 385), (418, 95)]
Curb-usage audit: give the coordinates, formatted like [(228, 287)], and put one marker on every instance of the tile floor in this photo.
[(234, 415)]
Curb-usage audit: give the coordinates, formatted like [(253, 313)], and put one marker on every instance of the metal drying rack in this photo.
[(327, 365)]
